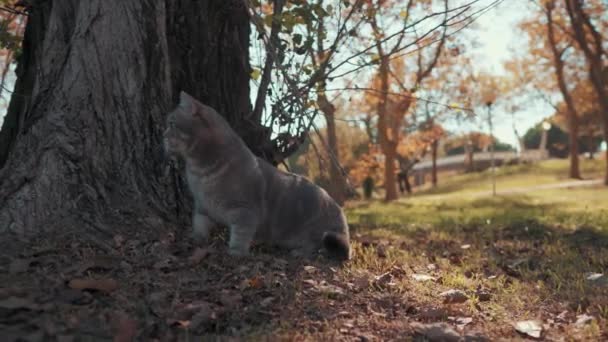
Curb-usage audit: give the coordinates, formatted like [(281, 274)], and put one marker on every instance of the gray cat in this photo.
[(234, 188)]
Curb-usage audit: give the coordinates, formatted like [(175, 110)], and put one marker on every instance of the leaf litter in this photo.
[(165, 288)]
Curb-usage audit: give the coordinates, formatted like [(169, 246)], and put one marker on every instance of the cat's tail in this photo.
[(337, 245)]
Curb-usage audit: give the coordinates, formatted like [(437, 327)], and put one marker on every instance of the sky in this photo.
[(499, 39)]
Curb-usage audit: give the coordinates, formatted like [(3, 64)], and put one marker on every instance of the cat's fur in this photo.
[(234, 188)]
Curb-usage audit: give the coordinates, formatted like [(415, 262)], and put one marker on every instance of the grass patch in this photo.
[(546, 172), (530, 252)]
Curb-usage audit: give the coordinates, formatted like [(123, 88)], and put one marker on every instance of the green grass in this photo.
[(546, 172), (539, 245)]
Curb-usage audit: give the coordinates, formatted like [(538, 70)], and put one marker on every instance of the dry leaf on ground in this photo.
[(198, 255), (530, 328), (436, 332), (454, 296), (104, 285)]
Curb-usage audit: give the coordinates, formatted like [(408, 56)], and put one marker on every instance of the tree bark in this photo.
[(95, 82), (572, 113), (606, 152), (434, 146), (469, 150), (590, 144), (336, 180), (590, 40), (388, 145), (390, 183)]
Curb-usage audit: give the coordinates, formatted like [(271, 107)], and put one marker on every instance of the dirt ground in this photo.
[(159, 287)]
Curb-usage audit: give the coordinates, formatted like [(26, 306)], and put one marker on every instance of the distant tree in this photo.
[(557, 140), (588, 22), (553, 64), (455, 145)]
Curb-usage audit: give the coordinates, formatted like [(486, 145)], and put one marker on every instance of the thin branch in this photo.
[(402, 95), (13, 11), (260, 100)]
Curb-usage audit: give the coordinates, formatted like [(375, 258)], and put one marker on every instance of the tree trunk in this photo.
[(469, 151), (434, 146), (336, 180), (573, 145), (606, 152), (388, 143), (590, 145), (571, 112), (390, 182), (95, 81), (590, 39), (406, 182)]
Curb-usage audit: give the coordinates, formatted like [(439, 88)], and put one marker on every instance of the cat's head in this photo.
[(192, 127)]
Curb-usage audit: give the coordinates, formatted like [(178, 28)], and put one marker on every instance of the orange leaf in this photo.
[(104, 285)]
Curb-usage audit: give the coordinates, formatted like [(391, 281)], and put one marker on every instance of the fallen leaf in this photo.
[(102, 262), (181, 323), (483, 295), (454, 296), (384, 280), (381, 251), (310, 269), (594, 276), (461, 322), (310, 282), (431, 267), (432, 314), (361, 282), (529, 328), (562, 317), (104, 285), (167, 239), (266, 301), (186, 310), (331, 291), (455, 258), (598, 279), (397, 271), (583, 319), (198, 255), (423, 277), (119, 240), (126, 329), (436, 331), (19, 266), (256, 282)]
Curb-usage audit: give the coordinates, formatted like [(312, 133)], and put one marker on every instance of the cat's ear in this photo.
[(186, 102)]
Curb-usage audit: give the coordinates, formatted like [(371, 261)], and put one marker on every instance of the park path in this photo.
[(569, 184), (523, 189)]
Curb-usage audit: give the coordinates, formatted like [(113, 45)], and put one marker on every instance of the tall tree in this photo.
[(95, 81), (391, 109), (590, 40), (552, 49), (572, 112)]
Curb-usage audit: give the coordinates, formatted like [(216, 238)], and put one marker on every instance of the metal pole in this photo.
[(492, 149)]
